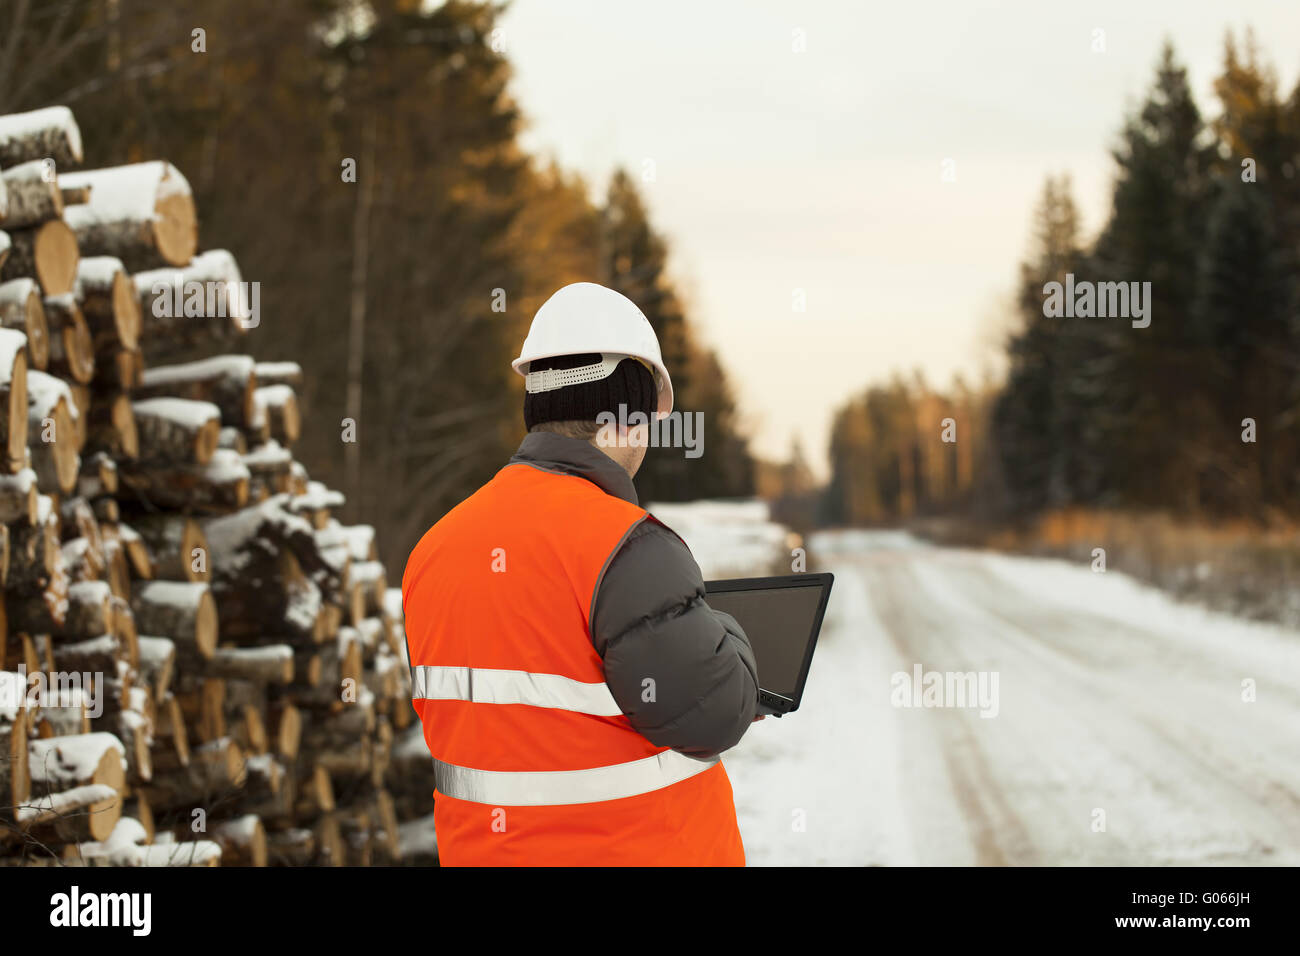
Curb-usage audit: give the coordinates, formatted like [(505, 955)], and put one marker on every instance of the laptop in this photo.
[(782, 617)]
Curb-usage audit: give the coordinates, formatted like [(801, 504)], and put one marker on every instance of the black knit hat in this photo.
[(630, 385)]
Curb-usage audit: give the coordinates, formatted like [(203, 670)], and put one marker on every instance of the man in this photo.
[(574, 687)]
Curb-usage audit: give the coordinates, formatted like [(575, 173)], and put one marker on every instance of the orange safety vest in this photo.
[(534, 762)]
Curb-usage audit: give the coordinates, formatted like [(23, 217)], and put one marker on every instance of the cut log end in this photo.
[(15, 417), (176, 229), (55, 253)]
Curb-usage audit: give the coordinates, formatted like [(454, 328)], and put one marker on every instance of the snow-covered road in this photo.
[(1116, 707)]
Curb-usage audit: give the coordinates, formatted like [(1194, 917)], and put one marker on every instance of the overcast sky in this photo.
[(775, 170)]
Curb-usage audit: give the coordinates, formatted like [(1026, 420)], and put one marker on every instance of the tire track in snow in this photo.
[(934, 639), (1209, 767), (1112, 696), (1177, 798)]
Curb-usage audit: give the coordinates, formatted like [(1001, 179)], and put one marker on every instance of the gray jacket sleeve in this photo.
[(683, 673)]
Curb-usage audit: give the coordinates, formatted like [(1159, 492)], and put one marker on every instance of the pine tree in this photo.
[(1156, 228), (1037, 418), (633, 260), (1245, 315)]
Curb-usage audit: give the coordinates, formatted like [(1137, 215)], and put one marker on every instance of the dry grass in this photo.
[(1231, 566)]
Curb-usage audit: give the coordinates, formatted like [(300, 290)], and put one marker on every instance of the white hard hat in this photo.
[(585, 317)]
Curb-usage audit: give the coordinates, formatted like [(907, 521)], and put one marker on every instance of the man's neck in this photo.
[(621, 455)]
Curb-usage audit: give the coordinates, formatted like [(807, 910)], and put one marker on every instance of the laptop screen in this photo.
[(779, 623)]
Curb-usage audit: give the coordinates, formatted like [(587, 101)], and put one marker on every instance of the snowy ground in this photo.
[(1112, 699), (730, 539)]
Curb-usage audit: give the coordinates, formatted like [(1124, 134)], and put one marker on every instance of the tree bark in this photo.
[(51, 132), (32, 193), (279, 405), (227, 381), (177, 546), (204, 303), (184, 612), (177, 430), (217, 487), (109, 301), (111, 428), (72, 351), (21, 310)]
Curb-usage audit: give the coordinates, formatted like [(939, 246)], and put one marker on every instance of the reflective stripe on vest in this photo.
[(558, 787), (550, 787), (491, 686)]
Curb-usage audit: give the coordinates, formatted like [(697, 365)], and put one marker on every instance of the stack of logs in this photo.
[(199, 665)]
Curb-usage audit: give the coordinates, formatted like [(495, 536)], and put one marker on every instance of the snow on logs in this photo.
[(269, 573), (33, 146), (240, 649), (205, 303), (216, 486), (142, 214), (228, 381), (32, 194), (183, 610), (51, 132), (177, 429), (18, 498), (15, 777), (21, 309), (85, 771)]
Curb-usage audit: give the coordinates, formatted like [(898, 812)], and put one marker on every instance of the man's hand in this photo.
[(758, 718)]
